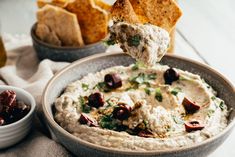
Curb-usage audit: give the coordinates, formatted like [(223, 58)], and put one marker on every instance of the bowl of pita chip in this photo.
[(67, 30)]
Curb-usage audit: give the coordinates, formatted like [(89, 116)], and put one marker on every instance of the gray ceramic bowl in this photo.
[(67, 54), (98, 62)]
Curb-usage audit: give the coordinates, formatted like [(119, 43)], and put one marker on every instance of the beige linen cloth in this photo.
[(25, 71)]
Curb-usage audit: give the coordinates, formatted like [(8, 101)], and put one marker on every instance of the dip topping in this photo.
[(96, 100), (84, 119), (113, 80), (170, 76), (193, 126), (122, 111), (190, 107)]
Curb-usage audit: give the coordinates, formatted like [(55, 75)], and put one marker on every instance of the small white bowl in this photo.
[(12, 133)]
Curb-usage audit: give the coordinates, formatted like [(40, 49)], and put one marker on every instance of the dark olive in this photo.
[(8, 98), (170, 75), (96, 100), (145, 133), (189, 106), (20, 110), (193, 126), (113, 80), (122, 111), (84, 119)]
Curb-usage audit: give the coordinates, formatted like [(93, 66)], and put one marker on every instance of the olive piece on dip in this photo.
[(96, 100), (170, 75), (113, 80), (193, 126), (84, 119), (122, 111), (189, 106)]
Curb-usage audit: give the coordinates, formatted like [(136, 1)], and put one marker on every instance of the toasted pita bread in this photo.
[(163, 13), (59, 27), (58, 3), (122, 11), (92, 19), (103, 5)]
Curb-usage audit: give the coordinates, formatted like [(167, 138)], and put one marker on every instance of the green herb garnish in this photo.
[(108, 122), (134, 40), (210, 112), (84, 107), (152, 76), (175, 91), (102, 87), (158, 95), (147, 91), (110, 103), (213, 98), (110, 42), (85, 87), (222, 105), (137, 65)]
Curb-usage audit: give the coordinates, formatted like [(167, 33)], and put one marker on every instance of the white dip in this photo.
[(157, 117)]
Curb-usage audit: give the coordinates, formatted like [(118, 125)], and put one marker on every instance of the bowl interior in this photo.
[(98, 62)]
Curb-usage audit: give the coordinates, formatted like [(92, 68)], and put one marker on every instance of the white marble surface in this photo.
[(206, 33)]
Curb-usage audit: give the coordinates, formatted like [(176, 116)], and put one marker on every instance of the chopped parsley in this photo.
[(108, 122), (210, 112), (110, 42), (84, 107), (175, 91), (147, 91), (85, 87), (109, 102), (142, 78), (134, 40), (102, 87), (158, 95), (213, 98), (137, 65), (222, 105)]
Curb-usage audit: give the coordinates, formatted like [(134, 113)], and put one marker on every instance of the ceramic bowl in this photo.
[(12, 133), (66, 54), (98, 62)]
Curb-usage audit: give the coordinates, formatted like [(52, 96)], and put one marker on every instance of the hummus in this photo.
[(144, 42), (139, 108)]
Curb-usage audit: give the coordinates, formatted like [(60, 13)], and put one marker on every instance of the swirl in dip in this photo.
[(139, 108)]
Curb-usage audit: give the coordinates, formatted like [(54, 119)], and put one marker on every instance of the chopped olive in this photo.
[(193, 126), (145, 133), (158, 95), (122, 111), (96, 100), (85, 87), (189, 106), (134, 40), (113, 80), (170, 75), (84, 119)]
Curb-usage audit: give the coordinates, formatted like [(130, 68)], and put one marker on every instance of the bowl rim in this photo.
[(52, 122), (29, 97), (36, 39)]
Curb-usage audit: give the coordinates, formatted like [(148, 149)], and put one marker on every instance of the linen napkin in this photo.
[(25, 71)]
